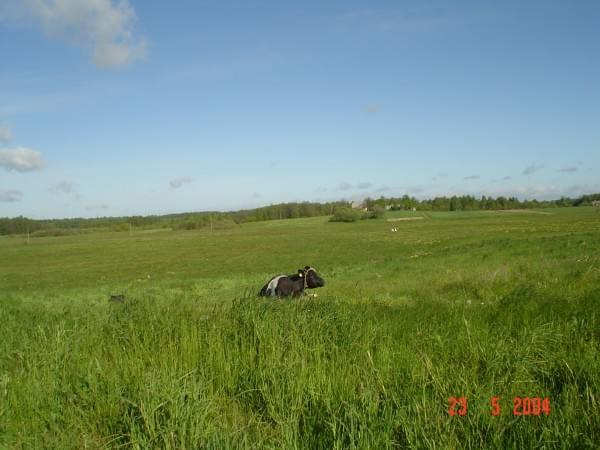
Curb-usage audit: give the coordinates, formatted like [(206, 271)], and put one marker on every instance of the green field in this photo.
[(467, 304)]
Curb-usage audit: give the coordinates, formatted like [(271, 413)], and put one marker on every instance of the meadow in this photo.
[(471, 305)]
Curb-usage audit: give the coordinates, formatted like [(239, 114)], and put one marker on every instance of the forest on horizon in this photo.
[(293, 210)]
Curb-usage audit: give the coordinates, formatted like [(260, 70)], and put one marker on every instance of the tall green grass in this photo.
[(476, 307)]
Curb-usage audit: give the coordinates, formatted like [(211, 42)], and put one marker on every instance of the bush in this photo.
[(346, 215), (120, 227), (54, 232), (377, 213), (204, 223)]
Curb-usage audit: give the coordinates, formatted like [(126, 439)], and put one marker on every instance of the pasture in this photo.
[(467, 304)]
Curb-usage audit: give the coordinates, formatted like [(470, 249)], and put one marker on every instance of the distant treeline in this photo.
[(470, 203), (187, 221), (220, 220)]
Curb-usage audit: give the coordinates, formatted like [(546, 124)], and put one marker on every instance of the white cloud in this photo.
[(345, 186), (97, 207), (568, 169), (372, 108), (105, 27), (411, 20), (176, 183), (472, 177), (543, 192), (415, 189), (10, 196), (21, 159), (364, 185), (532, 169), (17, 103), (65, 187), (5, 134)]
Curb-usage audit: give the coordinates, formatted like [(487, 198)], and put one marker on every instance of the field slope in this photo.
[(471, 304)]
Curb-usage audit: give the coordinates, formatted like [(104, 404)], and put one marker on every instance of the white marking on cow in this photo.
[(273, 284)]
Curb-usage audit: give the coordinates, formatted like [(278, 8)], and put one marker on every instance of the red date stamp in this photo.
[(521, 406), (457, 406)]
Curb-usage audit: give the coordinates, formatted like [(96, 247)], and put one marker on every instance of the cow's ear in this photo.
[(306, 267)]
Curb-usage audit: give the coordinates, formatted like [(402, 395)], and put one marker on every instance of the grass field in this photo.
[(468, 304)]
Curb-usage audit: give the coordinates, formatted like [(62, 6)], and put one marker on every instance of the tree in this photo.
[(346, 215)]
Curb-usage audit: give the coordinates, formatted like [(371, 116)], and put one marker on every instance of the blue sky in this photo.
[(151, 107)]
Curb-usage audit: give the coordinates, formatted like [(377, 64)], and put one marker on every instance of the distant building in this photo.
[(359, 205)]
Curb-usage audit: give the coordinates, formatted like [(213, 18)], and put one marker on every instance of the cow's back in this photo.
[(290, 285), (270, 289)]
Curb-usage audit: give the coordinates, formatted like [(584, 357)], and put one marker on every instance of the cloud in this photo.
[(176, 183), (320, 189), (532, 169), (415, 190), (5, 134), (21, 159), (345, 186), (256, 195), (65, 187), (543, 192), (97, 207), (24, 103), (440, 176), (372, 108), (412, 20), (105, 27), (472, 177), (383, 189), (364, 185), (568, 169), (507, 178), (11, 196)]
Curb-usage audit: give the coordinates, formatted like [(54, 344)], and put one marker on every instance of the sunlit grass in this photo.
[(453, 305)]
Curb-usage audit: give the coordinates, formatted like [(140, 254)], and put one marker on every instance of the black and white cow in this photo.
[(294, 285)]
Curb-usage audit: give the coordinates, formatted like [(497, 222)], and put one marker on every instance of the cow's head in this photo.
[(313, 280)]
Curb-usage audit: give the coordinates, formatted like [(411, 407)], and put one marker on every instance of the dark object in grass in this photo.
[(120, 298), (292, 285)]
